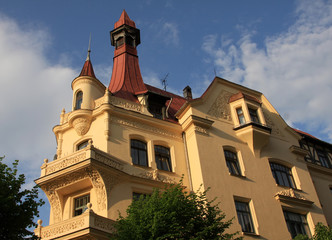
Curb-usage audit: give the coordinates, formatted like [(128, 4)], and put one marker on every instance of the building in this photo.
[(123, 140)]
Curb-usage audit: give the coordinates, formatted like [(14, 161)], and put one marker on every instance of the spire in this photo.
[(124, 19), (87, 69), (126, 78)]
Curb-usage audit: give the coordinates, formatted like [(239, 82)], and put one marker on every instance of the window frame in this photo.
[(244, 217), (83, 207), (78, 100), (281, 172), (232, 162), (296, 227), (139, 150), (253, 114), (82, 145), (161, 157), (240, 116)]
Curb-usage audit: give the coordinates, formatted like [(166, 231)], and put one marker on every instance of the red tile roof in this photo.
[(240, 95), (303, 133), (87, 69), (124, 19)]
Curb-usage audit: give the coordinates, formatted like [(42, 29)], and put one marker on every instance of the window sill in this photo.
[(287, 188), (251, 234), (235, 175)]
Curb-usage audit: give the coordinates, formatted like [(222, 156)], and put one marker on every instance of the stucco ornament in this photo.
[(220, 107), (82, 125)]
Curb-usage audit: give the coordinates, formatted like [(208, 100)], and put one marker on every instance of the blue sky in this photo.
[(281, 48)]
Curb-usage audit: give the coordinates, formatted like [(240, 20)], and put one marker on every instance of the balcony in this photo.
[(86, 226), (256, 135)]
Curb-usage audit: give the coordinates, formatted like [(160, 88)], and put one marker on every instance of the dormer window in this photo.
[(79, 100), (157, 105), (240, 116), (253, 115)]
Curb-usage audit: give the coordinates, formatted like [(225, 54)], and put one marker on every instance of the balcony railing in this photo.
[(82, 225)]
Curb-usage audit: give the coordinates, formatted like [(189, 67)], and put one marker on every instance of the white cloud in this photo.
[(293, 69), (170, 33), (32, 94)]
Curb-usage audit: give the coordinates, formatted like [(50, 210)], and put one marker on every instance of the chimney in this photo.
[(187, 93)]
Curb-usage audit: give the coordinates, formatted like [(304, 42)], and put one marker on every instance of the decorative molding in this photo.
[(97, 182), (99, 102), (82, 125), (293, 197), (220, 108), (138, 125), (201, 130), (154, 175), (105, 224), (63, 228), (126, 104), (108, 161), (61, 164)]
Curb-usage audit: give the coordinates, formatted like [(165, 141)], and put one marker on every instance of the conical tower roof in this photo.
[(87, 69)]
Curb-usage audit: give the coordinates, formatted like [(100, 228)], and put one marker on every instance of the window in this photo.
[(282, 175), (138, 152), (82, 145), (119, 42), (163, 158), (80, 204), (244, 217), (323, 159), (136, 196), (232, 162), (296, 223), (79, 99), (253, 115), (240, 115)]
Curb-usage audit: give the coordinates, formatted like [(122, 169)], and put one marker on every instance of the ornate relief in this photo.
[(97, 182), (65, 163), (201, 130), (290, 193), (126, 105), (99, 102), (145, 127), (154, 175), (81, 125), (103, 223), (72, 225), (220, 108), (274, 129), (108, 161)]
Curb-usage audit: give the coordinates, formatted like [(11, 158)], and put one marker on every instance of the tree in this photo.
[(18, 206), (173, 213), (322, 232)]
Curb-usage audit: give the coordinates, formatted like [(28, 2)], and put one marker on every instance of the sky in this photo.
[(280, 48)]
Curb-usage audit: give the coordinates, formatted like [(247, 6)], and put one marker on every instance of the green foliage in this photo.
[(18, 206), (322, 232), (173, 214)]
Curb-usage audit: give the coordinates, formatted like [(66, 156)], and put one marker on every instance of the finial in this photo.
[(89, 49)]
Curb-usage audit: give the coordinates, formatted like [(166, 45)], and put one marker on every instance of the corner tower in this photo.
[(126, 80)]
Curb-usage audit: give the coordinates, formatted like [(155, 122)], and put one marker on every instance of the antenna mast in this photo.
[(164, 81)]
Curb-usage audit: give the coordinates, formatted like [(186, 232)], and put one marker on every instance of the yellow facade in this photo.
[(206, 128)]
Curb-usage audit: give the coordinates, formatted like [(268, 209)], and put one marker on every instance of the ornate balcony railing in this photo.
[(82, 225)]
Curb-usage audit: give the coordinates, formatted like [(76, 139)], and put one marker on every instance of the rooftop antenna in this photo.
[(89, 49), (164, 81)]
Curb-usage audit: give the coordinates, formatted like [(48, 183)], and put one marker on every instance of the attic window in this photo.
[(157, 105)]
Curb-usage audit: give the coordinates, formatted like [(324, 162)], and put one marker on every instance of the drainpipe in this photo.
[(187, 160)]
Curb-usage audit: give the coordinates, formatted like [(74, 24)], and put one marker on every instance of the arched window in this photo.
[(232, 162), (163, 158), (82, 145), (79, 99), (282, 175), (138, 152)]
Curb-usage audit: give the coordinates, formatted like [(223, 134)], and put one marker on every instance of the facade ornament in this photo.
[(220, 108), (81, 125)]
